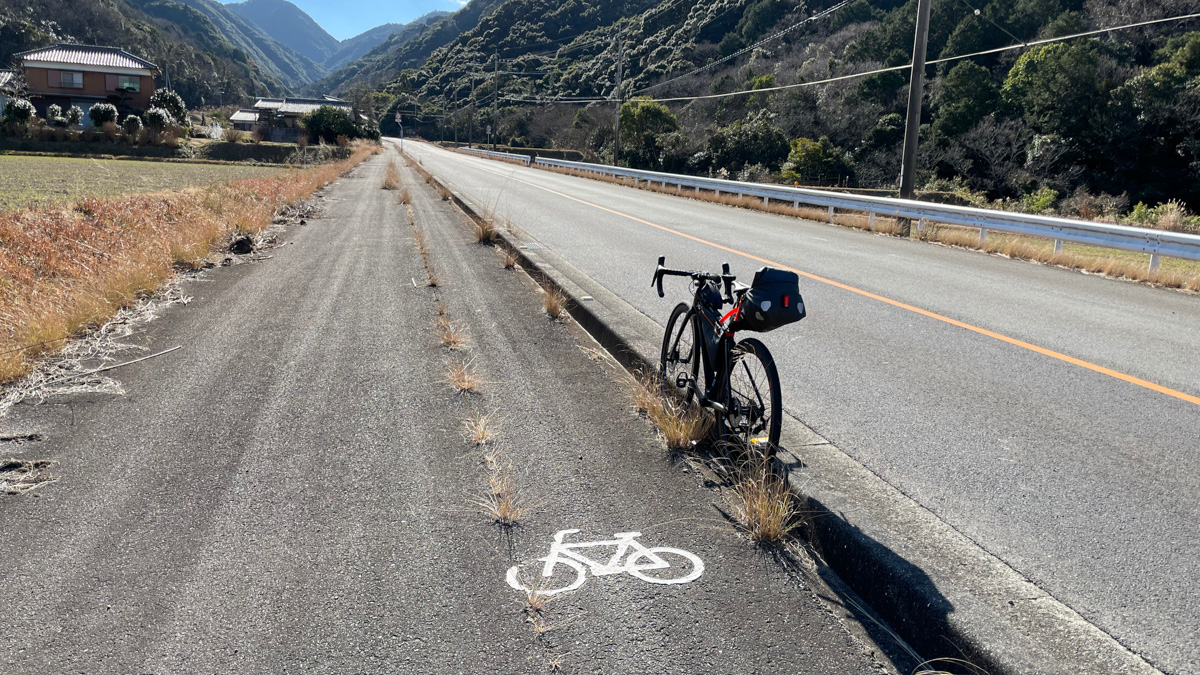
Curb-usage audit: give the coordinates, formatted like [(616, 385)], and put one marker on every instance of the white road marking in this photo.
[(630, 557)]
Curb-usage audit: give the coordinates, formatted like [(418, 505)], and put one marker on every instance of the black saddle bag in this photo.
[(772, 301)]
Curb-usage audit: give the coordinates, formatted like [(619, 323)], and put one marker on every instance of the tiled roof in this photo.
[(244, 116), (298, 106), (86, 55)]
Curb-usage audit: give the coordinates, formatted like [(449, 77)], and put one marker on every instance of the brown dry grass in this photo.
[(481, 429), (485, 231), (452, 336), (65, 269), (405, 196), (510, 260), (681, 426), (463, 378), (392, 181), (501, 501), (766, 507), (443, 192), (553, 302)]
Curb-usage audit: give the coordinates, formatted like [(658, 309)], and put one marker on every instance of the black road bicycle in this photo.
[(700, 359)]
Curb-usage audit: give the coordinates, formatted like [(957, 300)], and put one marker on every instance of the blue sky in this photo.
[(347, 18)]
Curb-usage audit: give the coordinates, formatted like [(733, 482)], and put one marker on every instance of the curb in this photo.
[(937, 589)]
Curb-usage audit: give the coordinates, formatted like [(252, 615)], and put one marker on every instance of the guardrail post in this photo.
[(1058, 244), (921, 226), (1154, 262), (982, 236), (831, 215), (871, 221), (766, 201), (796, 204), (697, 189)]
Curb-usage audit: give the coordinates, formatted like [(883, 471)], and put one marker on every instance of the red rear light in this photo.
[(787, 301)]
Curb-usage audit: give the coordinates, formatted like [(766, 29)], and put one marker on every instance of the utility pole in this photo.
[(620, 100), (916, 93), (471, 119), (495, 95)]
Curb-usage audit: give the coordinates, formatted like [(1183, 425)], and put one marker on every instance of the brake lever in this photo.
[(658, 275)]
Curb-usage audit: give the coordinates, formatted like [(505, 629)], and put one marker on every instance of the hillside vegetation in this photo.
[(1088, 126)]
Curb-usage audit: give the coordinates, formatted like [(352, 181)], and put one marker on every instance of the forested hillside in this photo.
[(1091, 125), (289, 25), (204, 66)]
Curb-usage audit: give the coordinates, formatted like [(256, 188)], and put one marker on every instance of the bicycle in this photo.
[(738, 381), (639, 563)]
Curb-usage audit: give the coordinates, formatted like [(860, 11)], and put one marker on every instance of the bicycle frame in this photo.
[(624, 541)]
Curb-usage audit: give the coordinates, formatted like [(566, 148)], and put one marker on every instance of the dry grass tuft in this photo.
[(481, 429), (501, 502), (510, 260), (393, 179), (431, 280), (405, 196), (443, 192), (553, 302), (452, 337), (766, 507), (485, 231), (931, 667), (441, 309), (462, 377), (681, 426)]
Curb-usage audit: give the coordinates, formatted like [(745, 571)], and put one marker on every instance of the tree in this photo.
[(1057, 88), (642, 122), (18, 111), (133, 124), (158, 119), (819, 160), (965, 95), (755, 141), (74, 116), (54, 116), (172, 103), (102, 113), (328, 122)]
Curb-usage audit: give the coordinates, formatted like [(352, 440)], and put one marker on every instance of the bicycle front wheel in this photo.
[(754, 406), (680, 358)]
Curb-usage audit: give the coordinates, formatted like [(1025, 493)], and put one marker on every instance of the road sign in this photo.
[(398, 118)]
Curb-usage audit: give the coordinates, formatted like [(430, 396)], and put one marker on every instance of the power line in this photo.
[(823, 13)]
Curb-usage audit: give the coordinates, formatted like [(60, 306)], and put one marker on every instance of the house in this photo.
[(279, 118), (83, 75)]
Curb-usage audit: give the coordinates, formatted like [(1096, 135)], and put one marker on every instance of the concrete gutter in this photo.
[(941, 592)]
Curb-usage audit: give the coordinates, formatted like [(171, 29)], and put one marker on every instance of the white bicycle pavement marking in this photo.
[(629, 557)]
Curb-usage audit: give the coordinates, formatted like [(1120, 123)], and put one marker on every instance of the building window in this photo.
[(71, 80), (129, 83)]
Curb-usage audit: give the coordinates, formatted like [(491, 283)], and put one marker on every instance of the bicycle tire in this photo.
[(752, 369), (514, 578), (671, 362), (697, 565)]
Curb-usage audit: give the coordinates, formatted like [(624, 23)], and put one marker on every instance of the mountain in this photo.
[(273, 56), (204, 66), (289, 25), (408, 48), (358, 46)]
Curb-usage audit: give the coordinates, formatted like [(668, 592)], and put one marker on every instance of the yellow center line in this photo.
[(895, 303)]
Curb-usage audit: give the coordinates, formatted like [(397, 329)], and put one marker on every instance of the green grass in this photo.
[(27, 181)]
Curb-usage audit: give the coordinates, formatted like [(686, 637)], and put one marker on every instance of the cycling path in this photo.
[(291, 489)]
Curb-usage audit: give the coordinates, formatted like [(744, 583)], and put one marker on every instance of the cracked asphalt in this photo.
[(291, 491)]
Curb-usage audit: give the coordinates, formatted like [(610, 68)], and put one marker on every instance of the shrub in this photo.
[(102, 113), (234, 135), (18, 111), (54, 116), (158, 119), (110, 130), (1172, 215), (133, 125), (172, 103), (328, 122), (257, 135), (1040, 201), (74, 116)]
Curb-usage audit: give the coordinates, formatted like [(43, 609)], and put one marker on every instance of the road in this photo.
[(291, 490), (1048, 415)]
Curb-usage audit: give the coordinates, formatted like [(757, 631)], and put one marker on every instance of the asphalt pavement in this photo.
[(292, 489), (1071, 470)]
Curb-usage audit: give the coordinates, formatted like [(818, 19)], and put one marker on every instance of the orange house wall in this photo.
[(37, 80)]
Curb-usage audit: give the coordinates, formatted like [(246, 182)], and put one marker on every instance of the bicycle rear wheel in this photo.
[(754, 407), (680, 355)]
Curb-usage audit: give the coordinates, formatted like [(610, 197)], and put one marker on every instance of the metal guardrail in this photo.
[(1143, 240), (524, 159)]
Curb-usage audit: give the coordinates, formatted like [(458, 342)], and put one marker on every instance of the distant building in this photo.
[(279, 118), (83, 75)]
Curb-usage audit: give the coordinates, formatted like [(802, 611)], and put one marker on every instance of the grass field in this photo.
[(29, 181)]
